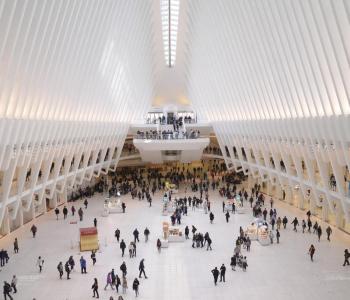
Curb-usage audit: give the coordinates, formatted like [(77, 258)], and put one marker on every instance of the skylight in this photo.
[(169, 10)]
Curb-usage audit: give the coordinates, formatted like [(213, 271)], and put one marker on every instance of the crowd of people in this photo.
[(167, 134), (141, 184)]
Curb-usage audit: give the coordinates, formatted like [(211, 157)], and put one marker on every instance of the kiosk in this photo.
[(88, 239)]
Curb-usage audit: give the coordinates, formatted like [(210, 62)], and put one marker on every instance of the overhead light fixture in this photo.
[(169, 10)]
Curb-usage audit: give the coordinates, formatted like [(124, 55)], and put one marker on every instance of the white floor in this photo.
[(275, 272)]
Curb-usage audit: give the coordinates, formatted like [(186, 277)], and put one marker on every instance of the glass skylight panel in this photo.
[(169, 10)]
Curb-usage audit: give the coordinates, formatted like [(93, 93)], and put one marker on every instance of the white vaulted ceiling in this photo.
[(272, 76), (272, 59)]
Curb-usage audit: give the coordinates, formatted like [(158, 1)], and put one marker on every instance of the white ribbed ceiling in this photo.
[(270, 59), (75, 60)]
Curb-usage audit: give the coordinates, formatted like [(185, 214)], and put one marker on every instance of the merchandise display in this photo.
[(252, 232), (112, 205), (175, 235), (88, 239), (263, 235)]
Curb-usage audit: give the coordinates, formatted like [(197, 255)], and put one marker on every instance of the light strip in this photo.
[(169, 10)]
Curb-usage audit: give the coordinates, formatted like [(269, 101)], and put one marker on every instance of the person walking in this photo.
[(83, 265), (312, 252), (244, 264), (227, 215), (211, 217), (15, 246), (233, 262), (95, 222), (34, 230), (95, 289), (71, 262), (136, 235), (123, 268), (209, 242), (319, 232), (329, 232), (6, 290), (303, 225), (284, 222), (278, 236), (135, 286), (14, 284), (86, 203), (72, 210), (215, 273), (117, 234), (346, 257), (67, 269), (57, 212), (81, 214), (295, 223), (109, 281), (187, 231), (222, 273), (60, 269), (93, 257), (271, 236), (159, 245), (117, 282), (146, 233), (122, 247), (142, 268), (124, 284), (65, 212), (40, 263)]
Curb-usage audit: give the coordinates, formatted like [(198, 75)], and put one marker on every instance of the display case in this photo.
[(175, 235), (112, 206), (263, 235), (252, 232)]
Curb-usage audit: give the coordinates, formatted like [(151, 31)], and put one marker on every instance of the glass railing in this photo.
[(167, 136)]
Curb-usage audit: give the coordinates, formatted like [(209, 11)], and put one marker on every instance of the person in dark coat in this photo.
[(33, 229), (215, 273), (95, 222), (117, 282), (135, 286), (295, 223), (65, 212), (312, 252), (67, 269), (136, 235), (86, 203), (187, 231), (319, 233), (123, 268), (227, 215), (60, 269), (6, 290), (93, 257), (222, 273), (122, 247), (117, 234), (146, 233), (123, 207), (142, 268), (15, 246), (233, 262), (95, 288), (81, 214), (346, 257), (57, 212), (211, 217)]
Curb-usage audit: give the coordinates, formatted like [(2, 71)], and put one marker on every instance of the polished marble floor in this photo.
[(281, 271)]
